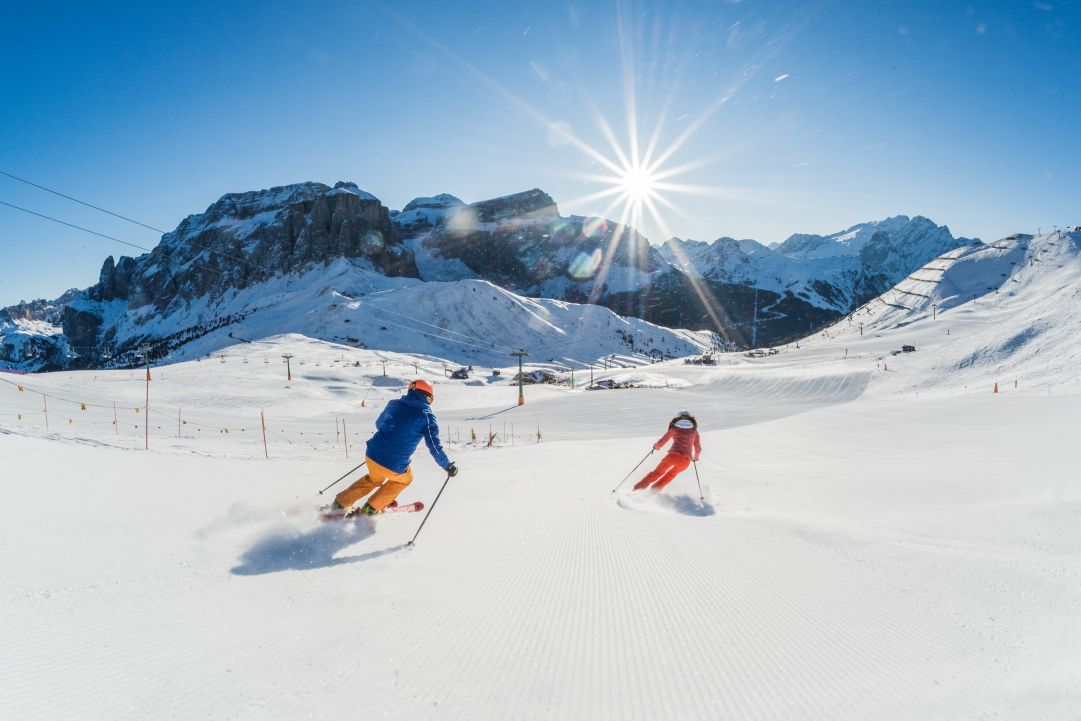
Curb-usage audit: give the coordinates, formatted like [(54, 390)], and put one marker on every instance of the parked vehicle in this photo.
[(908, 348)]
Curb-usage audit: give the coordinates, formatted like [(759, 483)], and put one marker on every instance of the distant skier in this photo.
[(399, 429), (686, 447)]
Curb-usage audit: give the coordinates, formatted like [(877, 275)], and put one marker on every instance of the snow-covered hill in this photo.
[(1006, 313)]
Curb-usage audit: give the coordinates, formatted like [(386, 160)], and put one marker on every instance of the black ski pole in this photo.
[(633, 470), (344, 475), (425, 519), (701, 497)]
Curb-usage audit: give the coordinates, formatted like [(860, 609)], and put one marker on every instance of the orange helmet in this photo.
[(424, 387)]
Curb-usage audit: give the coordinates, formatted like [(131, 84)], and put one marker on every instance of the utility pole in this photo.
[(519, 354), (146, 408), (861, 328), (384, 369), (591, 374), (934, 311), (288, 368)]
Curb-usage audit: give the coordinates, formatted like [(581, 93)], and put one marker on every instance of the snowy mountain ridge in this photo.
[(269, 243), (837, 271)]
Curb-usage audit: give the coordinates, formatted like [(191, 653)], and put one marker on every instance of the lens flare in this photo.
[(595, 228), (584, 267)]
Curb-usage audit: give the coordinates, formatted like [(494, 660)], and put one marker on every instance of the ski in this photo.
[(355, 513)]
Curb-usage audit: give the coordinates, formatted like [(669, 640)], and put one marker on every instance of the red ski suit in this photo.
[(686, 446)]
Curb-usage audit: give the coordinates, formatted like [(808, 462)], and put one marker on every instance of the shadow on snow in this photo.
[(290, 551), (683, 505)]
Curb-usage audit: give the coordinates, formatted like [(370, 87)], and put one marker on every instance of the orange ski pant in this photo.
[(389, 483), (670, 466)]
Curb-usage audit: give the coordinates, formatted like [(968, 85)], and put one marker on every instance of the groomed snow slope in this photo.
[(866, 549), (940, 572)]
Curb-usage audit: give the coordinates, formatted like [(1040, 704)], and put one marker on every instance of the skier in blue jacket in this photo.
[(399, 429)]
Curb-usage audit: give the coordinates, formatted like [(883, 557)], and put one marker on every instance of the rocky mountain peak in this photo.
[(532, 204), (435, 202)]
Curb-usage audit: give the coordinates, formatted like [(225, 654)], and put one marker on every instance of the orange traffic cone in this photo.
[(996, 388)]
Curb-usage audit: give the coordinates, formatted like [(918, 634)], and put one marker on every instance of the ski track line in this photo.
[(802, 615), (756, 696), (708, 694), (946, 612), (813, 612), (1011, 609)]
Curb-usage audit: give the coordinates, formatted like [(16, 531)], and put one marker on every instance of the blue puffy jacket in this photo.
[(400, 427)]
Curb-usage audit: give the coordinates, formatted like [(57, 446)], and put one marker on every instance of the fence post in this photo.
[(262, 418)]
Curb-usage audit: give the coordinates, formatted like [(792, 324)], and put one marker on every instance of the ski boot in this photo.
[(334, 510)]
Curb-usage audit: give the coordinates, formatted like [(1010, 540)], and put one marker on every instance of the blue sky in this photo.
[(788, 116)]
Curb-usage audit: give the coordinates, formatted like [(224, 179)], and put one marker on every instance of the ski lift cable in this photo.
[(103, 235), (479, 342), (191, 241), (81, 202), (487, 344), (72, 225), (436, 335), (205, 247)]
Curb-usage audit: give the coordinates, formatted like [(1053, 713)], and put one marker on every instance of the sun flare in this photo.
[(637, 184)]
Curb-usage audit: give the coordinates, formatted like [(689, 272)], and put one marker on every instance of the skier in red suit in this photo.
[(686, 447)]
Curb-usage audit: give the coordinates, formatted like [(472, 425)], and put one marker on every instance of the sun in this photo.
[(637, 184)]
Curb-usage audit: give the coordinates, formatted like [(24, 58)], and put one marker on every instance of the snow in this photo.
[(428, 211), (433, 266), (351, 190), (31, 327), (873, 544), (241, 227)]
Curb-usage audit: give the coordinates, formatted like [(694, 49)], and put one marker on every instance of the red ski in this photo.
[(355, 513)]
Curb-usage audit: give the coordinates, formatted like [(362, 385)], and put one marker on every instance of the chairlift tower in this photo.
[(519, 354)]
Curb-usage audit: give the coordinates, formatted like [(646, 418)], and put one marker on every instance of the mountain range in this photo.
[(240, 266)]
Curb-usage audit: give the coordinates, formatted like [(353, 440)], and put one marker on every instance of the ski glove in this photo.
[(452, 470)]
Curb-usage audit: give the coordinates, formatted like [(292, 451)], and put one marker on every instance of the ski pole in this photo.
[(701, 497), (425, 519), (633, 470), (344, 475)]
